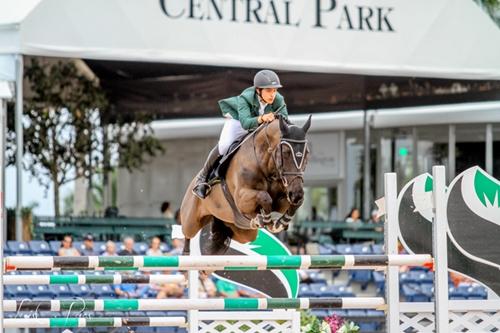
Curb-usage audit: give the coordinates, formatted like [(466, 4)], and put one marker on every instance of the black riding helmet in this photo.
[(266, 79)]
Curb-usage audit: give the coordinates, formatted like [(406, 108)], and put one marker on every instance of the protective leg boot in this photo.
[(201, 187)]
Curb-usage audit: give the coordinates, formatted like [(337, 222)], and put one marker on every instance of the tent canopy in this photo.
[(425, 38)]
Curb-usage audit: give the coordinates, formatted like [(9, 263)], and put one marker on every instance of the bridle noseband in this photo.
[(299, 158)]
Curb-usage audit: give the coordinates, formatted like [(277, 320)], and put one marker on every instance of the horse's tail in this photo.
[(220, 237)]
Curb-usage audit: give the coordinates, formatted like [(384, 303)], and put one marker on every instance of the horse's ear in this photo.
[(283, 125), (306, 126)]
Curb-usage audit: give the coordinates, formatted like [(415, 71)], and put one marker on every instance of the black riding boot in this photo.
[(201, 187)]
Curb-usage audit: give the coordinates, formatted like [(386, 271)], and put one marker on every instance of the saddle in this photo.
[(220, 168)]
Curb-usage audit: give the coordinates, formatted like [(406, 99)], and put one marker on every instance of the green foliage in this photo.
[(349, 327), (71, 131)]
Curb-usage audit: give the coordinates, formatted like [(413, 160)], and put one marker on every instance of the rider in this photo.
[(243, 113)]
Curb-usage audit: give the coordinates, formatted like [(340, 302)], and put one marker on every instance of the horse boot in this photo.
[(201, 187)]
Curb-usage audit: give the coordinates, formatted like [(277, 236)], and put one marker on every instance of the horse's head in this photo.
[(290, 158)]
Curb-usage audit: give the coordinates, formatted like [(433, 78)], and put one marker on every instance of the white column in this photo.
[(391, 247), (19, 145), (489, 149), (439, 250), (3, 111), (451, 152)]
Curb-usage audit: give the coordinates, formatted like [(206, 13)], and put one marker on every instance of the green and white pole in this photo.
[(216, 262), (94, 279), (195, 304), (95, 322)]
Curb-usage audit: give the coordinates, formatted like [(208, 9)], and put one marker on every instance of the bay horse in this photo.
[(265, 175)]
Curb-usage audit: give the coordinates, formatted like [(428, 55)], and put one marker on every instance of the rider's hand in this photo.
[(268, 117)]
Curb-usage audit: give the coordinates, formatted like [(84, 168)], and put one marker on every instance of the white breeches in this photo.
[(231, 132)]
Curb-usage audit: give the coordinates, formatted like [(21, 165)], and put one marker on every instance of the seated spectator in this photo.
[(127, 290), (110, 249), (374, 218), (166, 210), (170, 290), (128, 243), (88, 246), (206, 288), (154, 247), (67, 248), (354, 216), (177, 247)]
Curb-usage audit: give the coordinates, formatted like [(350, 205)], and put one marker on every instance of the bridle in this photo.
[(298, 159)]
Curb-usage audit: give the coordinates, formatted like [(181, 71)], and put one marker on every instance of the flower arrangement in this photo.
[(309, 323)]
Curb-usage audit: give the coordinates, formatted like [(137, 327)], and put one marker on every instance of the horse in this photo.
[(264, 175)]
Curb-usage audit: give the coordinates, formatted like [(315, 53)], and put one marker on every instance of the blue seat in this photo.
[(378, 249), (331, 291), (145, 330), (99, 247), (456, 293), (362, 276), (166, 330), (317, 277), (361, 249), (141, 248), (344, 249), (177, 314), (340, 313), (103, 290), (18, 291), (40, 247), (319, 313), (6, 250), (379, 279), (82, 290), (18, 247), (164, 247), (413, 293), (41, 291), (423, 277), (61, 290), (306, 291), (54, 246)]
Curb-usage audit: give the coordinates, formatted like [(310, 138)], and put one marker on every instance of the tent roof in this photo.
[(426, 38)]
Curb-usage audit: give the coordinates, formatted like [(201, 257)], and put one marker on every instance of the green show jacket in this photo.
[(245, 107)]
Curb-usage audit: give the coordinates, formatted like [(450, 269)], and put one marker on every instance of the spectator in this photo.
[(154, 247), (374, 218), (67, 248), (353, 216), (110, 249), (166, 290), (206, 287), (88, 246), (126, 290), (177, 247), (166, 211), (128, 243)]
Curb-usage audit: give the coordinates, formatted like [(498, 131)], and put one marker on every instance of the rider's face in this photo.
[(268, 94)]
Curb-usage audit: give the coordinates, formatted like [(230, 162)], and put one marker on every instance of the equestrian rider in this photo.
[(243, 113)]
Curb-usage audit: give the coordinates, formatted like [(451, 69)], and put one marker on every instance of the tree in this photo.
[(70, 132)]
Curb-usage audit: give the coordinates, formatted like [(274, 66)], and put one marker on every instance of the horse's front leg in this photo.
[(250, 201), (283, 222)]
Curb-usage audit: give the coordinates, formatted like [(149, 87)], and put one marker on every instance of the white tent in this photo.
[(431, 38)]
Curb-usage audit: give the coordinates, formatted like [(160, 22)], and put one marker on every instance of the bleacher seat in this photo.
[(344, 249), (103, 290), (61, 291), (166, 329), (100, 247), (413, 293), (6, 250), (18, 291), (317, 277), (54, 246), (378, 248), (361, 249), (379, 279), (141, 248), (145, 329), (41, 291), (16, 247), (81, 290), (361, 276), (457, 293), (306, 291), (40, 247)]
